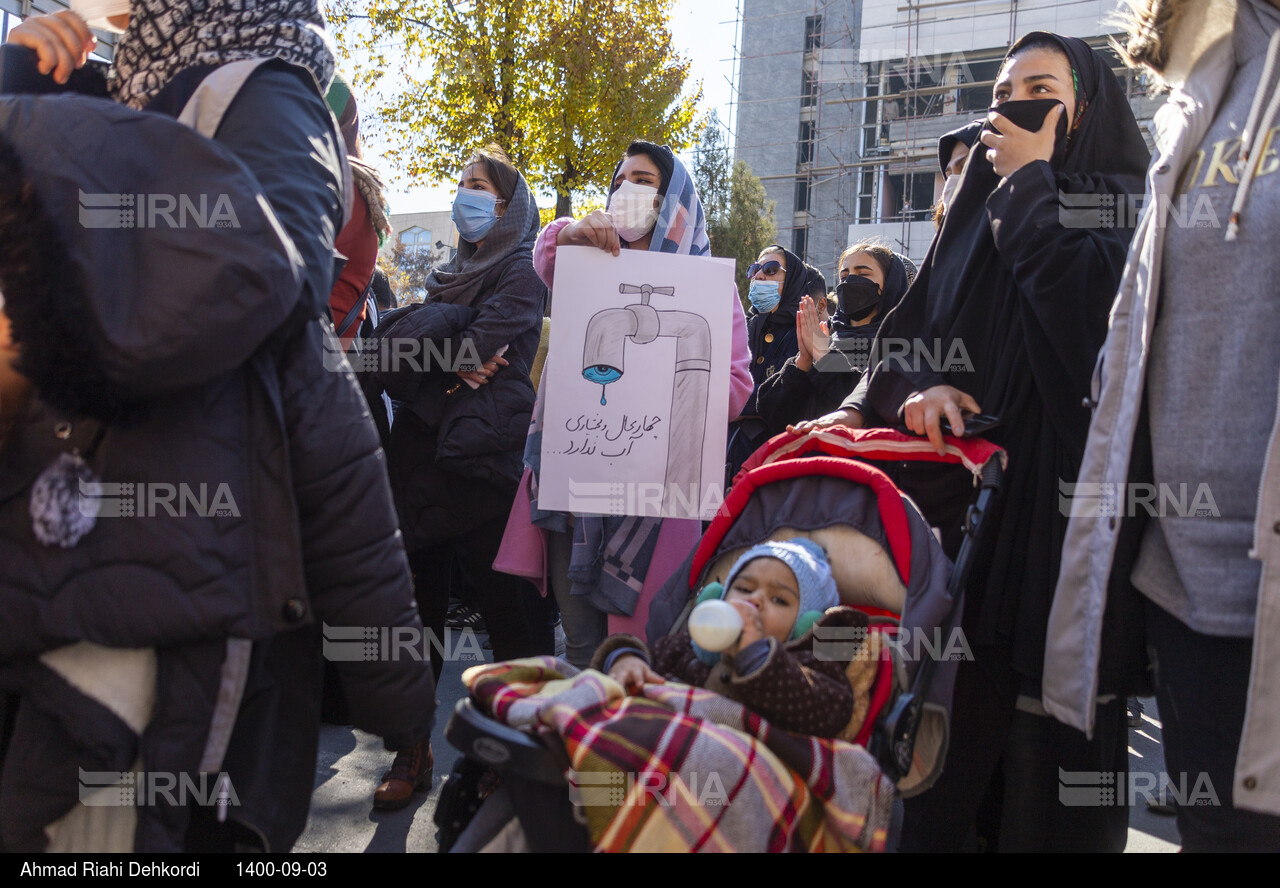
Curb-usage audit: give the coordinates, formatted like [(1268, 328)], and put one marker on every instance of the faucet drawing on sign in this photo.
[(603, 363)]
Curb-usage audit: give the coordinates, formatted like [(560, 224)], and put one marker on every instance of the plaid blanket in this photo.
[(680, 768)]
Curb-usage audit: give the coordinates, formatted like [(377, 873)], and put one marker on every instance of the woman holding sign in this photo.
[(652, 206)]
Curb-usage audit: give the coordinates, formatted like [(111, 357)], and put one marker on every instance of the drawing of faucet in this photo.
[(603, 362)]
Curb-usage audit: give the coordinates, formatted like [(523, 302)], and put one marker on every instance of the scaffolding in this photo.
[(805, 159), (873, 122)]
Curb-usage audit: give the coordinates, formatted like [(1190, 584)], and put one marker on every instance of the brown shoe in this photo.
[(410, 772)]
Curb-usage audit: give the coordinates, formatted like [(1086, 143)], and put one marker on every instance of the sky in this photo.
[(704, 31)]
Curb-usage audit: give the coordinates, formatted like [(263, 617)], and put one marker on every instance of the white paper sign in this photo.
[(637, 389)]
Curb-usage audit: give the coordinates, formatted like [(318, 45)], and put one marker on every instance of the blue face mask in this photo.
[(764, 295), (475, 213)]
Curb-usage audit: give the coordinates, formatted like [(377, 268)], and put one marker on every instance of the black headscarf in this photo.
[(815, 282), (1030, 320), (895, 287), (968, 134), (794, 286)]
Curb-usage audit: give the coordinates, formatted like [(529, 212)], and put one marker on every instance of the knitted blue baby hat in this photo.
[(807, 560)]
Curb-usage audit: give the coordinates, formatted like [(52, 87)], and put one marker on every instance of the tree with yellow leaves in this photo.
[(562, 85)]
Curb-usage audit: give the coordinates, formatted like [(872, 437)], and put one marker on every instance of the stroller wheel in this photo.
[(464, 791)]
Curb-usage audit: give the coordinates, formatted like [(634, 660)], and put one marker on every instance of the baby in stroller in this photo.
[(782, 590), (797, 776)]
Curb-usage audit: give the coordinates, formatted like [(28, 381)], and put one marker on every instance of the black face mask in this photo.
[(858, 297), (1029, 114)]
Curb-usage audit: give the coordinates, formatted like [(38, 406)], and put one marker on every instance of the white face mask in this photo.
[(95, 12), (949, 189), (634, 210)]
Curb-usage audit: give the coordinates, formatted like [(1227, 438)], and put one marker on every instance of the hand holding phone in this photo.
[(975, 425), (924, 411)]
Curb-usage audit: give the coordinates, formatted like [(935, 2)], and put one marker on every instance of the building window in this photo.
[(808, 89), (805, 147), (812, 33), (416, 239), (866, 195), (914, 92), (803, 192), (976, 98), (800, 243), (907, 196)]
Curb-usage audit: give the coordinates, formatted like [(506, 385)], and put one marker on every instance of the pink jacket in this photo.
[(523, 551)]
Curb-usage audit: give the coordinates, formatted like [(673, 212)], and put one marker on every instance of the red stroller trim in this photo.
[(878, 444), (780, 459), (893, 514)]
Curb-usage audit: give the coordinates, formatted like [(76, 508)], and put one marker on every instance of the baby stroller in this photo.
[(834, 487)]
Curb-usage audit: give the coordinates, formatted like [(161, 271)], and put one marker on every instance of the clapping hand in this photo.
[(812, 334)]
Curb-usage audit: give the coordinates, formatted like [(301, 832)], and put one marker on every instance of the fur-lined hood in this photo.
[(1169, 36)]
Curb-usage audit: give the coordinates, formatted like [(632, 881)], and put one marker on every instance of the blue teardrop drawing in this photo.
[(602, 374)]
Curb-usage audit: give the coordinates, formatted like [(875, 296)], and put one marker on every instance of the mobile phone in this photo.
[(975, 424)]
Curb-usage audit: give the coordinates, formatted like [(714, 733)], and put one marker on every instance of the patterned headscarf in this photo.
[(682, 226), (465, 279), (165, 38)]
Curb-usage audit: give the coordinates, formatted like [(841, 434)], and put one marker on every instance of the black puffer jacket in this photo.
[(192, 356), (480, 432), (456, 455)]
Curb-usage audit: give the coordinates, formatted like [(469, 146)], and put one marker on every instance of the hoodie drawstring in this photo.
[(1252, 139)]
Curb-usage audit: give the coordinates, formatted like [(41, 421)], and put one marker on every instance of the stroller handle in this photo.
[(893, 742), (993, 476)]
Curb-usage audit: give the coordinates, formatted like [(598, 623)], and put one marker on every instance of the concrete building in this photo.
[(797, 65), (881, 80), (432, 232)]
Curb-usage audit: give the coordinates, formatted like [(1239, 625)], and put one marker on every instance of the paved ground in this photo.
[(351, 763), (1149, 831)]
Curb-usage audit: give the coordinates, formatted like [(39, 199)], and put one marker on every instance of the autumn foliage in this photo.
[(562, 85)]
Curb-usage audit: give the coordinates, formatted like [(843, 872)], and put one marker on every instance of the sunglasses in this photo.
[(770, 268)]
